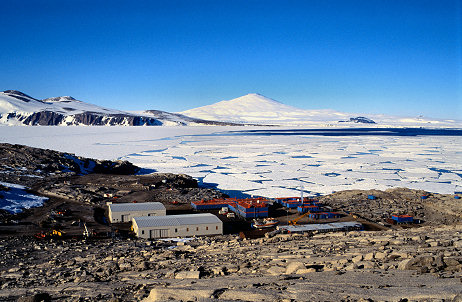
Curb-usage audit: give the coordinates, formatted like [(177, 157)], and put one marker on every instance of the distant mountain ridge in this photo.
[(183, 120), (18, 108)]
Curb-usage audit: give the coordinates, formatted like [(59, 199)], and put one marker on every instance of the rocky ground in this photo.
[(397, 263), (435, 209), (422, 264)]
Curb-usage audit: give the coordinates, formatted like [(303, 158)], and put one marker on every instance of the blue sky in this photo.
[(393, 57)]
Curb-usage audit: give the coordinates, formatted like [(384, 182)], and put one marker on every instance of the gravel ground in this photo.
[(418, 264)]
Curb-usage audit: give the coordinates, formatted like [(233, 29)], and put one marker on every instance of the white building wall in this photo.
[(179, 231), (116, 217)]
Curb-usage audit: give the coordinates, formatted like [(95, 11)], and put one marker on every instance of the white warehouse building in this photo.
[(185, 225), (124, 212)]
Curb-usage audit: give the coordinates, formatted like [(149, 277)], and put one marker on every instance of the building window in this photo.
[(197, 229), (187, 229), (206, 228), (142, 232), (216, 227), (176, 230)]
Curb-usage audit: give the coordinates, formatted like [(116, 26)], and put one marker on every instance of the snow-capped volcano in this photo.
[(256, 108)]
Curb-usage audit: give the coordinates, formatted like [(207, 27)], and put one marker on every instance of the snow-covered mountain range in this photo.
[(17, 108), (258, 109)]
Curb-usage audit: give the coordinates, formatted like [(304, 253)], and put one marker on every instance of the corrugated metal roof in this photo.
[(320, 227), (173, 220), (143, 206)]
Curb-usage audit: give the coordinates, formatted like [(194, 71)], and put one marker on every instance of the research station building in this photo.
[(124, 212), (185, 225)]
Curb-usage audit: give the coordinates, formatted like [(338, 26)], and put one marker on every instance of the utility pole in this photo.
[(301, 190)]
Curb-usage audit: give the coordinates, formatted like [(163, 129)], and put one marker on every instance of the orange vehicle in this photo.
[(51, 234)]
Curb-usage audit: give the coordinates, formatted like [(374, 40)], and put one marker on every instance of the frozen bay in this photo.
[(263, 163)]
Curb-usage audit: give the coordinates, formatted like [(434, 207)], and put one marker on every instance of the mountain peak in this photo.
[(254, 94), (19, 95), (257, 95), (250, 108), (252, 99), (15, 92)]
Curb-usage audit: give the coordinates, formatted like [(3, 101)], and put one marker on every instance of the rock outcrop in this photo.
[(25, 164)]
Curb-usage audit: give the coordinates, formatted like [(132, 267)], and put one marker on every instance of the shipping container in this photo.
[(308, 208), (402, 218)]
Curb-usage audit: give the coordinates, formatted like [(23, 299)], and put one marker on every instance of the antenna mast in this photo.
[(301, 191)]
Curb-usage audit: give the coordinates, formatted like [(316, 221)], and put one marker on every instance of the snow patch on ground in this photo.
[(15, 199), (84, 169)]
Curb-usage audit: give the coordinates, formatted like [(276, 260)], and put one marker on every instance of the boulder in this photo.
[(125, 266), (438, 262), (294, 266), (232, 269), (305, 271), (276, 270), (249, 295), (351, 267), (403, 265), (380, 255), (368, 257), (357, 259), (451, 261), (416, 263), (365, 264), (143, 265), (218, 270), (433, 243), (188, 275), (457, 244), (180, 294)]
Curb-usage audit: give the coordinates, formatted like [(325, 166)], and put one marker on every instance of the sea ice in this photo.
[(263, 165)]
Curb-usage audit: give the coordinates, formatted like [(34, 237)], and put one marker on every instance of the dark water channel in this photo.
[(349, 132)]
